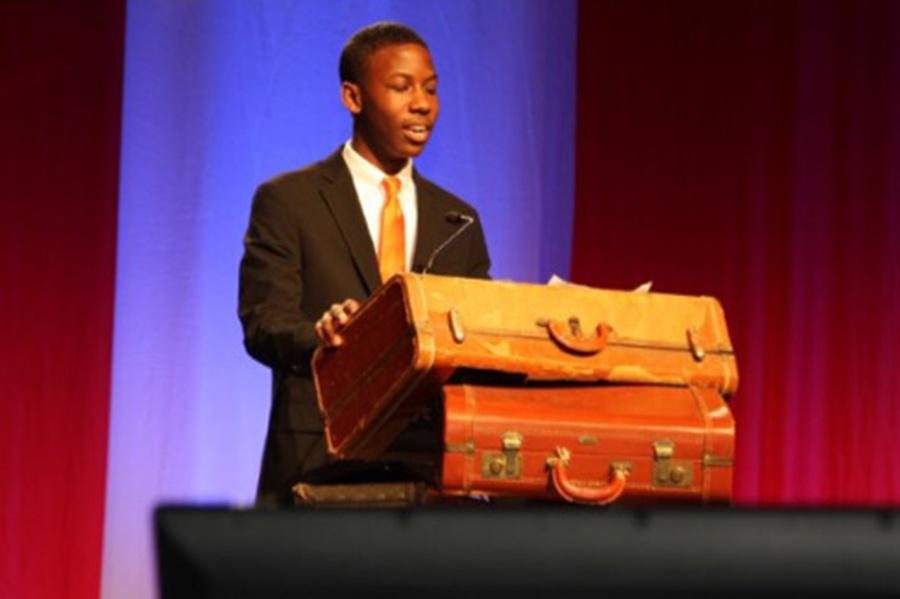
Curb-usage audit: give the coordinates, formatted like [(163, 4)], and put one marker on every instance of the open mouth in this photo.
[(417, 133)]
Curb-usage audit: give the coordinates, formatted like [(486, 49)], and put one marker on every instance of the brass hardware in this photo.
[(663, 449), (506, 464), (512, 441), (575, 326), (693, 337), (563, 455), (668, 472), (498, 465), (625, 467), (456, 327), (468, 447), (587, 440)]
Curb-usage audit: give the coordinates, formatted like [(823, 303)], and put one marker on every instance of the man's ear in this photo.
[(351, 96)]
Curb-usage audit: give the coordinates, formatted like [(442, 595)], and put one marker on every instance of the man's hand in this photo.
[(329, 326)]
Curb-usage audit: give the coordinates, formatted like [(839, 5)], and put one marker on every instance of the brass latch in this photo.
[(454, 320), (666, 471), (506, 464), (575, 326), (695, 345)]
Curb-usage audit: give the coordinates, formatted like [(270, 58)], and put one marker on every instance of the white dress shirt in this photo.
[(367, 180)]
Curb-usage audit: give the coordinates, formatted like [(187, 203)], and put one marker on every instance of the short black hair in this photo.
[(367, 41)]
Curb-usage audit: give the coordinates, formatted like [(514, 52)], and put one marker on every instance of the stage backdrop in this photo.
[(222, 95), (751, 151), (743, 150), (60, 100)]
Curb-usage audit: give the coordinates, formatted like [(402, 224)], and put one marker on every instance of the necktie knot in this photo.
[(392, 245), (391, 186)]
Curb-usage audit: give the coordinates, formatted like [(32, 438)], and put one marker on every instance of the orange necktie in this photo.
[(392, 246)]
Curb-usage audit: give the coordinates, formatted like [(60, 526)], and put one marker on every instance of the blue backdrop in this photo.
[(222, 95)]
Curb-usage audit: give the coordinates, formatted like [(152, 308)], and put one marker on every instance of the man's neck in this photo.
[(388, 166), (366, 172)]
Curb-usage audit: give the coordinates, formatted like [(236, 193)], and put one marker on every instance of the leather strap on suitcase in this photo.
[(388, 495)]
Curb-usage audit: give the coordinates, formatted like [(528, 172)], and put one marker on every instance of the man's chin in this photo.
[(404, 153), (398, 153), (413, 149)]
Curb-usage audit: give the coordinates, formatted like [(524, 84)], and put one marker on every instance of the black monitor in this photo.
[(526, 552)]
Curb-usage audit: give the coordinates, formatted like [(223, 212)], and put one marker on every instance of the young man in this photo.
[(321, 239)]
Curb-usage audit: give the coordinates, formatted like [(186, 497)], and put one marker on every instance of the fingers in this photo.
[(351, 306), (325, 331), (333, 320), (338, 315)]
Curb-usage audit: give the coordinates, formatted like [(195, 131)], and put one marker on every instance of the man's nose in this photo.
[(420, 101)]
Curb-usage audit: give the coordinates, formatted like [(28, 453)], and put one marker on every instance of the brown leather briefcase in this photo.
[(593, 444), (417, 330)]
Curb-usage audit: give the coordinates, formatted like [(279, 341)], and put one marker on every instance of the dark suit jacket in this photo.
[(307, 247)]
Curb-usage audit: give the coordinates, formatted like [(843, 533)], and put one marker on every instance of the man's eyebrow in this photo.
[(432, 77)]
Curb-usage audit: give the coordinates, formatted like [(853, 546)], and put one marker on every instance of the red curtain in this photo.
[(61, 81), (751, 151)]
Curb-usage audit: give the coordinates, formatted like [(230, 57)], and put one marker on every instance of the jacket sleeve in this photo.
[(270, 294)]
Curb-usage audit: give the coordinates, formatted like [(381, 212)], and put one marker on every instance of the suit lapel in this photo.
[(428, 226), (340, 195)]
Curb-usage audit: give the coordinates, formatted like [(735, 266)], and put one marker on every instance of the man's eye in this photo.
[(400, 88), (431, 91)]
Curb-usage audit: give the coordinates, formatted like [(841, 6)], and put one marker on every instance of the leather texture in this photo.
[(418, 330), (666, 444)]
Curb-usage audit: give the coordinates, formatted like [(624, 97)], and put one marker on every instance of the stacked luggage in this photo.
[(552, 392)]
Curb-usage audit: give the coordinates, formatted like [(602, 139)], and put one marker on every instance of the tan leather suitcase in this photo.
[(417, 330), (592, 444)]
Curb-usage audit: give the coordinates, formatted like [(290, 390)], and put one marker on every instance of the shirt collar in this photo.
[(367, 173)]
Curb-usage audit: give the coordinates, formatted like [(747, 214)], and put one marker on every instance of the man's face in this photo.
[(396, 107)]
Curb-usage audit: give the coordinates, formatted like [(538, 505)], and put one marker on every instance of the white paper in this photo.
[(555, 280)]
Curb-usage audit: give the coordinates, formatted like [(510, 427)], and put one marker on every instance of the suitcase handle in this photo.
[(571, 492), (568, 336)]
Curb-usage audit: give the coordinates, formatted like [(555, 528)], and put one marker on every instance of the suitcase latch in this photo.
[(695, 345), (575, 326), (668, 472), (506, 464), (454, 320)]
